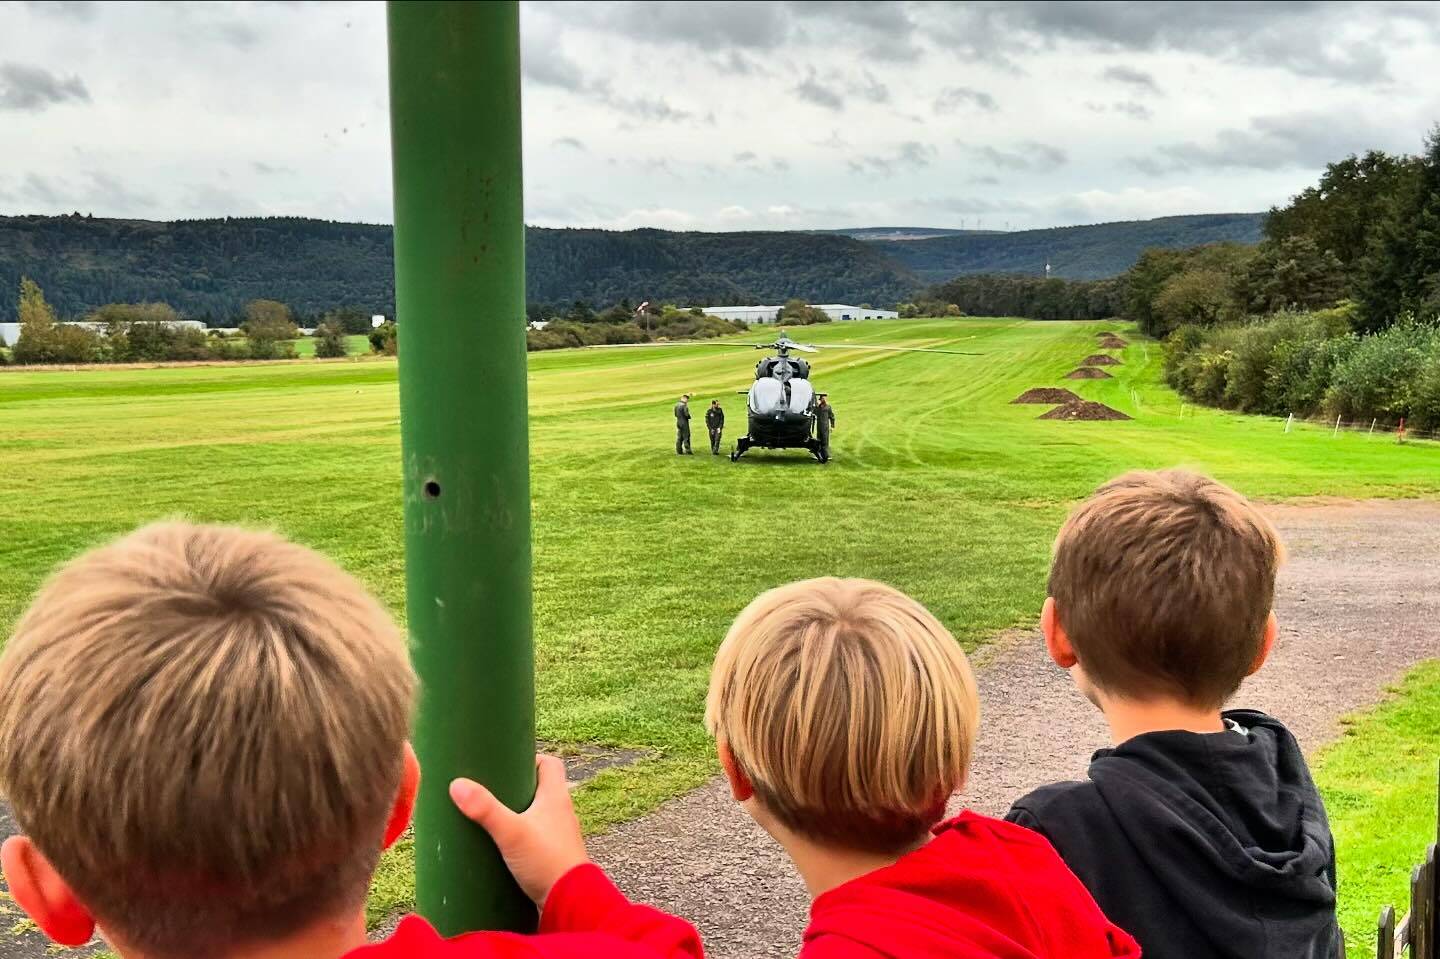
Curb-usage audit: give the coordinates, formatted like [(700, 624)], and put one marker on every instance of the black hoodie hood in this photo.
[(1202, 845)]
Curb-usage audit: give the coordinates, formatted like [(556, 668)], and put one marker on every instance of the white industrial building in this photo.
[(768, 314), (747, 314), (10, 332), (839, 311)]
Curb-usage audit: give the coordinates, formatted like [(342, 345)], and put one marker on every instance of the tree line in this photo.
[(1089, 252), (210, 269), (153, 333), (1033, 297)]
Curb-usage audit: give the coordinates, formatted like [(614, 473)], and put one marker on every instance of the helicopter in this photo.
[(781, 403)]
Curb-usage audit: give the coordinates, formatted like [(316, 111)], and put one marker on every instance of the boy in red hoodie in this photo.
[(844, 715), (203, 738)]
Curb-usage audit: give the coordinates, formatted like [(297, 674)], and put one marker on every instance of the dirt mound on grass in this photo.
[(1083, 410), (1107, 333), (1087, 373), (1046, 394), (1099, 359), (1113, 343)]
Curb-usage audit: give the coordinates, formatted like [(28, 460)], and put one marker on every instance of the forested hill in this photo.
[(203, 268), (1074, 252), (211, 268), (604, 266)]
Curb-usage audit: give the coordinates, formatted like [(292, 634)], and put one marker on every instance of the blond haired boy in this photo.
[(1201, 831), (845, 714), (203, 738)]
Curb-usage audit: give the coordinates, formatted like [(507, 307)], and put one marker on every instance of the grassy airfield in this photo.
[(937, 485)]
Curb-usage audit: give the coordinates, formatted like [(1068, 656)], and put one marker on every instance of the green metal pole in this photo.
[(460, 301)]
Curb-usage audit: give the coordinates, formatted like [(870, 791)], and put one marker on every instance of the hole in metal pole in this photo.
[(432, 489)]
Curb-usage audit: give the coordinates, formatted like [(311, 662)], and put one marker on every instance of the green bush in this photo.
[(1246, 375), (385, 339), (1425, 408), (1179, 345), (330, 340), (1381, 376), (799, 313), (1300, 371), (1193, 296), (269, 327), (1207, 372), (1201, 371), (148, 333), (228, 348)]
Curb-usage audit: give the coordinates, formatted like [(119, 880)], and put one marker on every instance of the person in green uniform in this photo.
[(824, 419), (682, 427), (715, 423)]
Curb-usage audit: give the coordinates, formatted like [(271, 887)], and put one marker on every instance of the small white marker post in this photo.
[(1372, 425), (1288, 421), (1337, 428)]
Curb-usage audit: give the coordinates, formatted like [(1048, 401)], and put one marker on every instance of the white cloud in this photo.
[(664, 217), (1133, 203), (685, 114)]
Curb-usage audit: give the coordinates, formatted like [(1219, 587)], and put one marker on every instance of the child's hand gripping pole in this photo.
[(539, 845)]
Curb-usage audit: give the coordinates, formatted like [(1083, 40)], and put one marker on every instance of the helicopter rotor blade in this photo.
[(900, 349), (642, 346), (802, 347)]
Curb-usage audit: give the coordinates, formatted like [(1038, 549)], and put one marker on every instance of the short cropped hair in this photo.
[(202, 728), (1163, 583), (849, 707)]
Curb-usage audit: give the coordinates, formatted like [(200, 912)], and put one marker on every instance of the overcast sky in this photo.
[(693, 115)]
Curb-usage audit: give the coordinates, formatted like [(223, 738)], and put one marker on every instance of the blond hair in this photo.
[(848, 706), (202, 728), (1163, 583)]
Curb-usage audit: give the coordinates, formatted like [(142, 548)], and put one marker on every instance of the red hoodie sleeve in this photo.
[(585, 900)]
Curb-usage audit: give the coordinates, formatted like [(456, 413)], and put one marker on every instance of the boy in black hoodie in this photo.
[(1200, 833)]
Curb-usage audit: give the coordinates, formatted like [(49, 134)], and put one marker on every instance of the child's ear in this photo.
[(46, 898), (1057, 644), (1272, 630), (404, 806), (740, 785)]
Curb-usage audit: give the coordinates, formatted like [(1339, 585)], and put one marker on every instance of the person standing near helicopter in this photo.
[(715, 423), (682, 427), (824, 419)]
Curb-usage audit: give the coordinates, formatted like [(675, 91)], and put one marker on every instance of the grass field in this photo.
[(642, 558), (1379, 787)]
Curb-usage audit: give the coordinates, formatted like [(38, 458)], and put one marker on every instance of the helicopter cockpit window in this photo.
[(767, 396), (801, 393)]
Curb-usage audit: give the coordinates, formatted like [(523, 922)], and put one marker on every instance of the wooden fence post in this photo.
[(1422, 893), (1429, 893), (1385, 934)]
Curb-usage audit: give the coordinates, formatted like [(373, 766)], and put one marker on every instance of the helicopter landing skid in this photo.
[(744, 444)]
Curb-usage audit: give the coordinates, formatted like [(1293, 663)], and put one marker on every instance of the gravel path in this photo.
[(1359, 602)]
